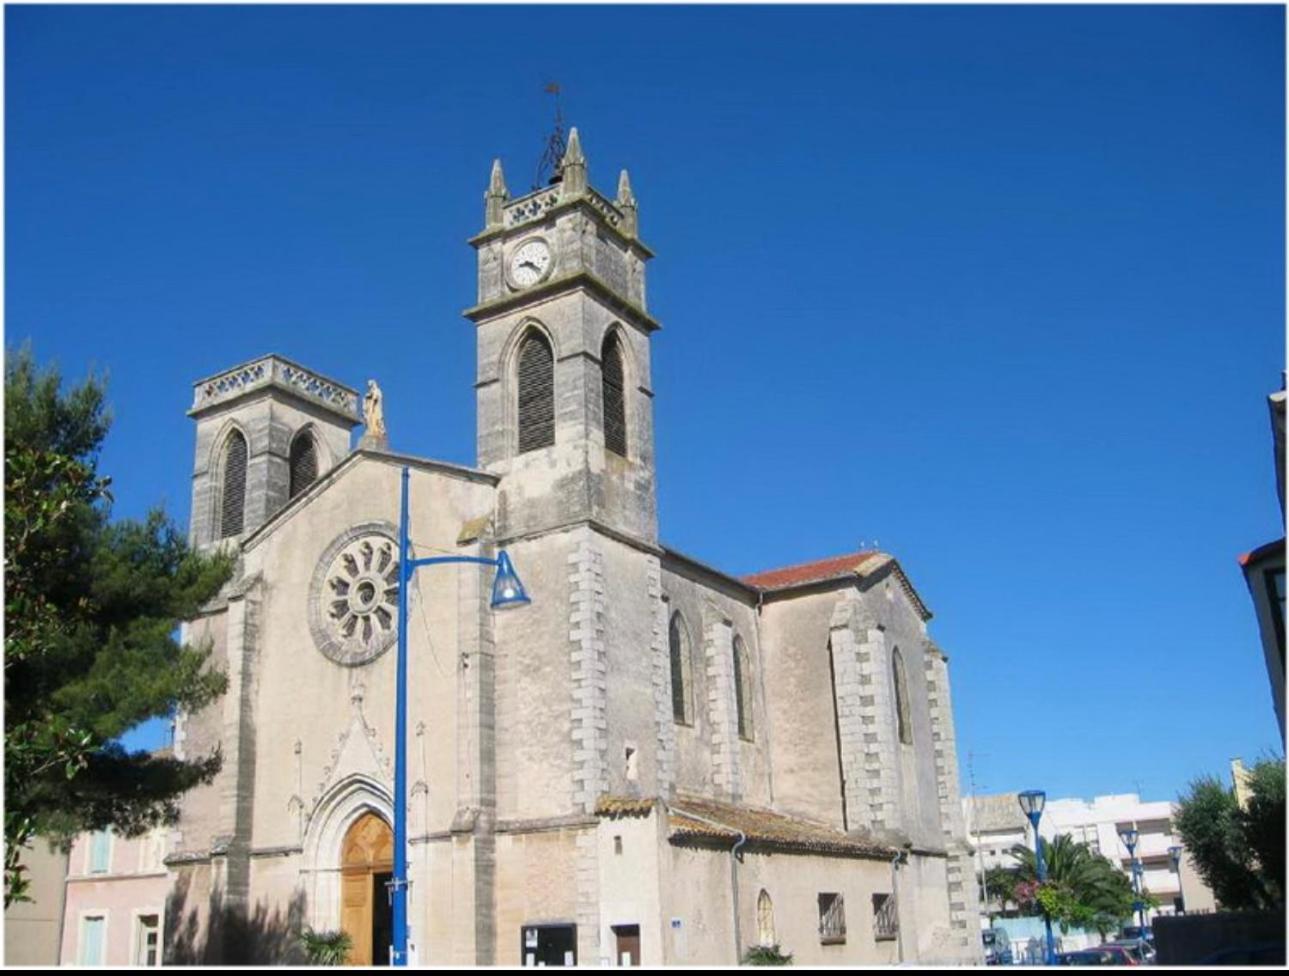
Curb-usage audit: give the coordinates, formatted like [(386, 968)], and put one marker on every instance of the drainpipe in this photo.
[(742, 839), (899, 858)]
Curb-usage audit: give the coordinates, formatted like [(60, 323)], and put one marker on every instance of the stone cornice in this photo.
[(276, 373), (633, 313), (592, 202)]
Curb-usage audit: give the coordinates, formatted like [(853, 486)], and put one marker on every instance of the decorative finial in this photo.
[(375, 436), (573, 167), (548, 167), (627, 204), (496, 197)]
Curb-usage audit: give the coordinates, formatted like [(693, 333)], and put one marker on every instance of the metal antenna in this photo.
[(548, 167)]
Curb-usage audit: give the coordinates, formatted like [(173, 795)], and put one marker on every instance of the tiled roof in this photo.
[(812, 572), (1269, 549), (623, 806), (998, 812), (697, 819)]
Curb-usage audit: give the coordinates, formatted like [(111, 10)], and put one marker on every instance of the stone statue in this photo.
[(374, 417)]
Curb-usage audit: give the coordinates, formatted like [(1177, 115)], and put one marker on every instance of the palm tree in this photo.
[(1084, 888)]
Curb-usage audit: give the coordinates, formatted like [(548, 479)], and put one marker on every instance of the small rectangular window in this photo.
[(886, 921), (832, 918), (147, 941), (100, 852)]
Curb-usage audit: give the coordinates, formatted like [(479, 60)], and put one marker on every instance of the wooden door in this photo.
[(367, 851)]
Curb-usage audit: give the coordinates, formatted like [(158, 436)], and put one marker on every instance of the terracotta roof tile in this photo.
[(623, 806), (834, 567), (698, 819)]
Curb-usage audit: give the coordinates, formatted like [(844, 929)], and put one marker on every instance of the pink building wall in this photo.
[(122, 889)]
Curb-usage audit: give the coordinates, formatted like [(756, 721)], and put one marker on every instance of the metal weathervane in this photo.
[(548, 167)]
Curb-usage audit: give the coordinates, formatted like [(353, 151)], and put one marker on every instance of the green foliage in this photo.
[(759, 955), (1082, 889), (1240, 854), (91, 610), (325, 948)]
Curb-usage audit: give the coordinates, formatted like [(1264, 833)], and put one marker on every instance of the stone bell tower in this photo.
[(565, 402)]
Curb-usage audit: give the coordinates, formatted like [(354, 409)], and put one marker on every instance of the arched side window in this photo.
[(742, 688), (901, 699), (304, 463), (765, 920), (614, 389), (233, 490), (536, 393), (681, 675)]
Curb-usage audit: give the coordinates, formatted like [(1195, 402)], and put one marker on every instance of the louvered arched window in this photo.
[(233, 490), (901, 699), (304, 463), (681, 677), (536, 393), (615, 404), (742, 688)]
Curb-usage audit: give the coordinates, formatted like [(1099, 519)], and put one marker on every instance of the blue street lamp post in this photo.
[(1031, 803), (1175, 855), (507, 592), (1129, 836)]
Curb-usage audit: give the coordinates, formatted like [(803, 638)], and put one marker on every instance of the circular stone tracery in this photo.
[(354, 597)]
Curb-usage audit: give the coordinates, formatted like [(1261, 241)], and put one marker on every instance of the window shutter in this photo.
[(304, 464), (536, 394), (615, 414), (233, 501)]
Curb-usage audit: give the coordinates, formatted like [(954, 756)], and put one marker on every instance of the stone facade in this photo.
[(554, 788)]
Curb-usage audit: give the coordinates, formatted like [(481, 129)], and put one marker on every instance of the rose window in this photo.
[(355, 605)]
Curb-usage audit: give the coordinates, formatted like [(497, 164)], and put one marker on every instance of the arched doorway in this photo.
[(366, 865)]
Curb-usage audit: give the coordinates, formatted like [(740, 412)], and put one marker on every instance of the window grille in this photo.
[(304, 463), (536, 394), (233, 501), (886, 920), (615, 412), (832, 917), (678, 642)]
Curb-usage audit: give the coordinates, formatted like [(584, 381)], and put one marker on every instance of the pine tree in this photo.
[(92, 607)]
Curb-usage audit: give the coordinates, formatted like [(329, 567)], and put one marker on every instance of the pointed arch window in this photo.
[(614, 390), (902, 723), (681, 677), (742, 688), (303, 463), (536, 393), (233, 490)]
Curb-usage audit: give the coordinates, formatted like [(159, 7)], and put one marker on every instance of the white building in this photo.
[(995, 824)]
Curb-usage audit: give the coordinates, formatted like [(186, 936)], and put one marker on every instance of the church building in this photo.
[(653, 763)]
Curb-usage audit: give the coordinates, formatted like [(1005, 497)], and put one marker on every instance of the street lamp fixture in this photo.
[(507, 593), (1031, 804), (1130, 836), (1175, 855)]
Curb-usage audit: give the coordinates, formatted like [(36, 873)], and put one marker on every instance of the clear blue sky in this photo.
[(1001, 288)]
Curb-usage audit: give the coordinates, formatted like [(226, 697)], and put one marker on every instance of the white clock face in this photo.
[(530, 262)]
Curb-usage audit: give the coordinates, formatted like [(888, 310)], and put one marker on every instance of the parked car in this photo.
[(1142, 950), (998, 951), (1109, 954)]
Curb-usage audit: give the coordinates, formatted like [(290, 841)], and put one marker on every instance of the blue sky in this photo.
[(999, 288)]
